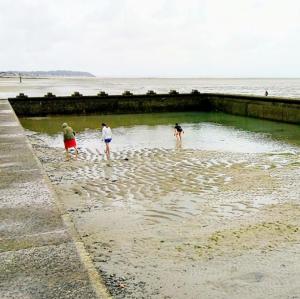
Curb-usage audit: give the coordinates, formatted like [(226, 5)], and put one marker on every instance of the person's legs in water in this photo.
[(67, 154), (179, 136), (107, 149)]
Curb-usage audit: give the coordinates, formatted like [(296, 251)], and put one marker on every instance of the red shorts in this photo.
[(70, 143)]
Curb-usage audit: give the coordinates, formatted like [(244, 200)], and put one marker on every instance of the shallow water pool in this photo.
[(203, 131)]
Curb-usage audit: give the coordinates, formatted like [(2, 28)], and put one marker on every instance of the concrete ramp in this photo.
[(40, 255)]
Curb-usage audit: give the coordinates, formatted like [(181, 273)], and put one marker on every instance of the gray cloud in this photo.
[(152, 38)]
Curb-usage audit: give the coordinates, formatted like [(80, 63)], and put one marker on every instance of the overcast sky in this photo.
[(169, 38)]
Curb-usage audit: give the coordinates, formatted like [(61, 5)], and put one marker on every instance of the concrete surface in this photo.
[(40, 255), (271, 108), (42, 106)]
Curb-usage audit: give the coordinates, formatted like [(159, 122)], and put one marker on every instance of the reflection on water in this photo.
[(178, 144), (205, 131)]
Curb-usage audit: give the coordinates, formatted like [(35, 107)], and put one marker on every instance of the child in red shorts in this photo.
[(69, 140)]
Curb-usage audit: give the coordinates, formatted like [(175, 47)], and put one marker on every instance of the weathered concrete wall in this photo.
[(40, 106), (278, 109)]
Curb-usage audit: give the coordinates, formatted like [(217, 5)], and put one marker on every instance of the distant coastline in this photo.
[(44, 74)]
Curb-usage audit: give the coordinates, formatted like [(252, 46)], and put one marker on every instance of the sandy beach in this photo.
[(216, 216), (184, 223)]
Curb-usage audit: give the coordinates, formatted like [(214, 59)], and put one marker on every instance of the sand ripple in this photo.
[(156, 181), (166, 223)]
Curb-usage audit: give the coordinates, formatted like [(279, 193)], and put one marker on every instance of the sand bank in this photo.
[(185, 223)]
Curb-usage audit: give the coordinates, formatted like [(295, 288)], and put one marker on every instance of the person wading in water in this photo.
[(69, 140), (107, 138), (178, 131)]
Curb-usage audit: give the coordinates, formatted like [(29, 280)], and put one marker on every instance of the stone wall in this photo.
[(41, 106), (278, 109)]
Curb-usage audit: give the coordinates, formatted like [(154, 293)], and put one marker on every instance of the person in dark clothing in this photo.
[(178, 131)]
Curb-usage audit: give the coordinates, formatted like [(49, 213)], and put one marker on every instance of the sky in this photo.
[(157, 38)]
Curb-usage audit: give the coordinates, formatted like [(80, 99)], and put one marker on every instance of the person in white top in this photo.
[(107, 138)]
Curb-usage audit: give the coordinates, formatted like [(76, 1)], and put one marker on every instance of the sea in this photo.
[(278, 87)]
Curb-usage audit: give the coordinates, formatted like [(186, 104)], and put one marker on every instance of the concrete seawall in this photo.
[(40, 106), (277, 109), (40, 254)]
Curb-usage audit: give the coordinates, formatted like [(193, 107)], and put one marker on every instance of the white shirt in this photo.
[(106, 133)]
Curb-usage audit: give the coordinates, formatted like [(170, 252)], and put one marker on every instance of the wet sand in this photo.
[(185, 223)]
